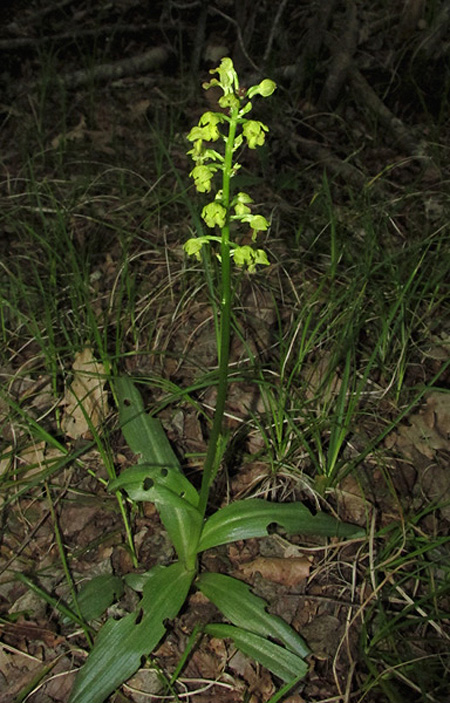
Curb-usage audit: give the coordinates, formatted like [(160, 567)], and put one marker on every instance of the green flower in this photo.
[(246, 256), (265, 88), (202, 176), (258, 223), (214, 214), (253, 131), (240, 206), (228, 79), (193, 246), (229, 100)]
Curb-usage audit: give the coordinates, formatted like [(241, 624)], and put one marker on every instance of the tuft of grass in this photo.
[(403, 639)]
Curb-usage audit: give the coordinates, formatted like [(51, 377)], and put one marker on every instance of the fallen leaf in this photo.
[(288, 572), (321, 381), (353, 505), (427, 430), (85, 401), (323, 634), (139, 108), (72, 135)]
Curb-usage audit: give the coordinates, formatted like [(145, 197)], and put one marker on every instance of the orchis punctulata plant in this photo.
[(121, 645)]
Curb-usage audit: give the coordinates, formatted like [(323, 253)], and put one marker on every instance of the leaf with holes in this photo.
[(278, 660), (137, 480), (253, 517), (121, 644), (181, 519), (239, 605), (146, 438)]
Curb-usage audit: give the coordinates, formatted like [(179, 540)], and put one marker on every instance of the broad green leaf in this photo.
[(239, 605), (253, 517), (144, 434), (146, 437), (279, 661), (97, 594), (138, 581), (121, 644), (181, 519), (137, 480)]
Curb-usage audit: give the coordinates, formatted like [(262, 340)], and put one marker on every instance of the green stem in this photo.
[(214, 444)]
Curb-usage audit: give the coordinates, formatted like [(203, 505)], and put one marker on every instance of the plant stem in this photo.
[(210, 464)]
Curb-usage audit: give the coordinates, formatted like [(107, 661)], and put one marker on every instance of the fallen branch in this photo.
[(323, 156), (75, 34), (154, 58), (342, 50), (392, 124)]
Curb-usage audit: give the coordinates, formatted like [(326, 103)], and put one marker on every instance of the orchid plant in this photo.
[(121, 645)]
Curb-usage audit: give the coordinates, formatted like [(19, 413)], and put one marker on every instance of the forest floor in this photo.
[(339, 394)]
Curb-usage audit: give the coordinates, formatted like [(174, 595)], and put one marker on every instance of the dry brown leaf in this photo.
[(323, 634), (427, 430), (352, 503), (288, 572), (435, 483), (85, 401), (139, 108), (72, 135), (30, 459), (18, 671), (437, 413), (319, 381)]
